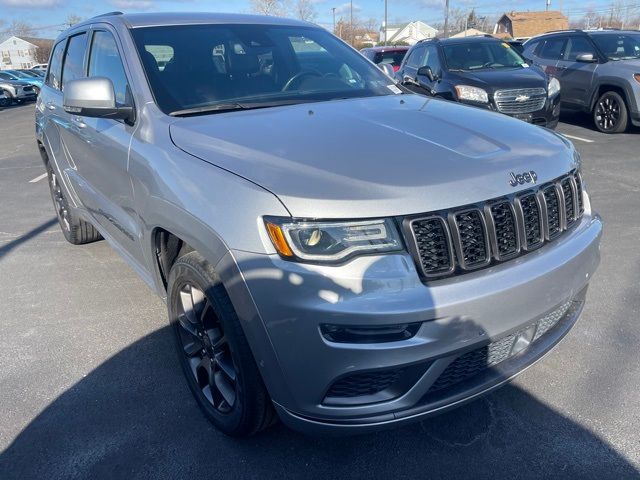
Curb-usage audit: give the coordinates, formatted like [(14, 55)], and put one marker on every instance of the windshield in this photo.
[(481, 55), (618, 46), (201, 66), (8, 76), (18, 74)]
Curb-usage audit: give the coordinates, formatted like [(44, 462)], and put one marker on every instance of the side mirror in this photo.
[(426, 72), (387, 68), (586, 58), (93, 97)]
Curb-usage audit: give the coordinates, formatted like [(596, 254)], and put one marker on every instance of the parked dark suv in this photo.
[(599, 72), (484, 72)]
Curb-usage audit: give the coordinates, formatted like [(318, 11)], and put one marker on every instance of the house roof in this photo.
[(36, 42), (469, 32), (528, 24), (422, 27)]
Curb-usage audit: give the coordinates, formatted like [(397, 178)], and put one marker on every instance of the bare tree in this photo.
[(72, 19), (276, 8), (305, 10), (19, 28)]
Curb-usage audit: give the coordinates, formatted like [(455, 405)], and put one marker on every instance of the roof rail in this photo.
[(575, 30), (108, 14)]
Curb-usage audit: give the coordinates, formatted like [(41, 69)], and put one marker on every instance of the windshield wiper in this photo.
[(231, 106)]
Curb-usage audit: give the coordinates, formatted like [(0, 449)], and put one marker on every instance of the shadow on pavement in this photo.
[(134, 417), (25, 237)]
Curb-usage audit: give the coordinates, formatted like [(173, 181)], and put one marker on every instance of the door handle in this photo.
[(79, 121), (50, 106)]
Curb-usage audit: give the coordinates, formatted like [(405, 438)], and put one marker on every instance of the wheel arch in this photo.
[(611, 85)]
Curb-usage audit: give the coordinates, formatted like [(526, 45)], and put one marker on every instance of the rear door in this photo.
[(50, 115), (576, 78), (100, 148), (549, 53)]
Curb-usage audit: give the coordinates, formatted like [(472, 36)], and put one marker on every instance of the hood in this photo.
[(497, 79), (372, 157)]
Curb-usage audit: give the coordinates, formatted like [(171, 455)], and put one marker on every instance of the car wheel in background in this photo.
[(610, 113), (213, 350), (75, 230)]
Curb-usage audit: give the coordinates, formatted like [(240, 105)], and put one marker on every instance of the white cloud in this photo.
[(29, 3), (132, 4), (346, 8)]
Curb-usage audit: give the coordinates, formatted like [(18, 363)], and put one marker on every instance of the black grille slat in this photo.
[(367, 383), (553, 211), (569, 208), (472, 237), (531, 218), (448, 242), (432, 241), (505, 229)]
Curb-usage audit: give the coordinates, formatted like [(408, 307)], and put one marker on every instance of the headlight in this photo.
[(554, 87), (474, 94), (330, 242)]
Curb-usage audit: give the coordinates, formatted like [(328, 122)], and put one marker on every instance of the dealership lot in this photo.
[(90, 386)]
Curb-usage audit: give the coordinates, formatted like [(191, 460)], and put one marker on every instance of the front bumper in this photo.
[(283, 305)]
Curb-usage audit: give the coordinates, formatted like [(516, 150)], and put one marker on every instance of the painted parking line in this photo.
[(38, 178), (573, 137)]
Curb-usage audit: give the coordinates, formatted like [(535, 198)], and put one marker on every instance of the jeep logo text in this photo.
[(522, 178)]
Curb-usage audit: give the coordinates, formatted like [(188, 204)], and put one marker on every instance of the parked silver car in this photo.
[(330, 248)]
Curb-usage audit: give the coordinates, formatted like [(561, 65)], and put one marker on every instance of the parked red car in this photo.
[(386, 55)]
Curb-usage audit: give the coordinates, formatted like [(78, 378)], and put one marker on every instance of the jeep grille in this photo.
[(465, 239)]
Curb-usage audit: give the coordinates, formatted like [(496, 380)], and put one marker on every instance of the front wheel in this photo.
[(213, 350), (610, 113)]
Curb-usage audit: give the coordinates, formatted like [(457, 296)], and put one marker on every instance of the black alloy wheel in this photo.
[(610, 113), (206, 348), (213, 350)]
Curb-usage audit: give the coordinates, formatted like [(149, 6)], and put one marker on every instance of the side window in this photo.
[(416, 57), (529, 49), (577, 46), (432, 59), (552, 49), (55, 66), (73, 66), (105, 61)]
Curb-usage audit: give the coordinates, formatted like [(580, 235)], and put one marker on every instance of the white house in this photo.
[(17, 53), (410, 33)]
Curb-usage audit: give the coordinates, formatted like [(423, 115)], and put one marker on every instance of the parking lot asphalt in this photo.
[(90, 385)]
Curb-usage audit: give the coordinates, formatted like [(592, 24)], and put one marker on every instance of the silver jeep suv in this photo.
[(331, 248)]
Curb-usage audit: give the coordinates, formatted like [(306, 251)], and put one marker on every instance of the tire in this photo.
[(75, 230), (213, 350), (610, 113)]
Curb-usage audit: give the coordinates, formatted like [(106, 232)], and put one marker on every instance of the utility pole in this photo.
[(548, 4), (446, 19), (385, 22), (351, 20), (334, 19)]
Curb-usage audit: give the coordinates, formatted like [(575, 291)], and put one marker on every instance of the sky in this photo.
[(48, 14)]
